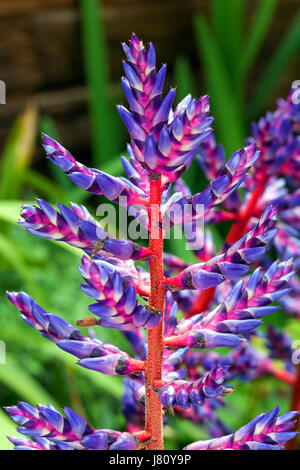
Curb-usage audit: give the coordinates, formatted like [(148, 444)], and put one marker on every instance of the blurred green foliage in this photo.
[(106, 128), (228, 48), (36, 370)]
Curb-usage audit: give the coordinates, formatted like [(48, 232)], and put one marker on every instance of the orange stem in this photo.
[(143, 435), (280, 374), (284, 376), (153, 372), (136, 364)]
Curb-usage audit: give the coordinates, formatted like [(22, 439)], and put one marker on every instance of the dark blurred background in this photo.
[(41, 54), (61, 62)]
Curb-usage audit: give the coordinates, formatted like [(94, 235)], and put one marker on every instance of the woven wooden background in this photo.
[(41, 59)]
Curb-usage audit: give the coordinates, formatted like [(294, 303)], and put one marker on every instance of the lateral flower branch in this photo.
[(175, 314)]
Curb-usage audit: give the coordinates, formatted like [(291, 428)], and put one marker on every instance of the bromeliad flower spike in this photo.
[(173, 368)]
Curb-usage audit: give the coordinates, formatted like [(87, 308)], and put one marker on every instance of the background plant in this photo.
[(24, 263)]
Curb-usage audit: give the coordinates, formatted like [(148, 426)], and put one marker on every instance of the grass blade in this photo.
[(228, 20), (184, 78), (15, 258), (7, 428), (287, 48), (44, 186), (13, 376), (106, 383), (261, 22), (104, 139), (228, 120), (18, 152), (218, 13), (10, 210)]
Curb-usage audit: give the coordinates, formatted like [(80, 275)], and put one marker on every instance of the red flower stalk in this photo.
[(154, 421)]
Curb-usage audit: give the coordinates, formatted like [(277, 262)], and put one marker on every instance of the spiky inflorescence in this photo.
[(245, 362), (50, 430), (184, 394), (133, 411), (267, 431), (228, 180), (276, 137), (96, 271), (92, 180), (160, 144), (93, 354), (211, 157), (77, 227), (233, 263), (116, 304), (246, 302), (239, 313), (212, 161), (163, 144)]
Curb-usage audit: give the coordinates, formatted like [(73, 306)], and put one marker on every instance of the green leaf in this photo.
[(48, 126), (184, 78), (218, 13), (293, 328), (228, 20), (44, 185), (7, 428), (11, 253), (217, 238), (105, 138), (113, 166), (262, 19), (10, 210), (186, 430), (15, 377), (18, 152), (107, 383), (178, 247), (225, 106), (287, 49)]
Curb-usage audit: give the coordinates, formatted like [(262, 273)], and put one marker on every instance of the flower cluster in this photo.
[(184, 394), (265, 432), (53, 431), (93, 353), (171, 312)]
